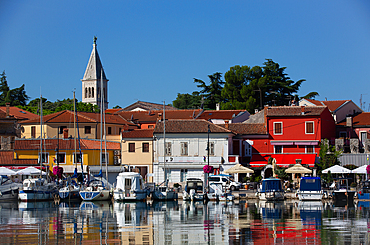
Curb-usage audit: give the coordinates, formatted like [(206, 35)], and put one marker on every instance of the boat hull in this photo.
[(9, 192), (130, 196), (35, 195), (99, 195), (271, 196), (69, 195), (343, 196), (310, 195), (164, 195)]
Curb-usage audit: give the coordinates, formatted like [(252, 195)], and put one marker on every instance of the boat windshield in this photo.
[(271, 185), (310, 184)]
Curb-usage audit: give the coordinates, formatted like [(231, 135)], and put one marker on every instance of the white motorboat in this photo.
[(218, 193), (194, 190), (271, 190), (37, 189), (164, 193), (8, 189), (130, 187), (310, 189)]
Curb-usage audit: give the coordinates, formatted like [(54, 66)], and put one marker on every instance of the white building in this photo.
[(186, 149)]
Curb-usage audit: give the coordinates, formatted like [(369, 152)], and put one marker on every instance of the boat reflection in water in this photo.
[(311, 212), (131, 216)]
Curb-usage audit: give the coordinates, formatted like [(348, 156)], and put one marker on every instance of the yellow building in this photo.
[(87, 123), (137, 151), (62, 152)]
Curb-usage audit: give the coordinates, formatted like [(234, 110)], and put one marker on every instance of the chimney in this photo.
[(302, 110), (227, 124), (217, 106), (7, 109), (159, 117), (349, 121), (65, 133)]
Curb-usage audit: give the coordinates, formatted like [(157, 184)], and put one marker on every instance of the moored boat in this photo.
[(130, 187), (8, 189), (310, 189), (218, 193), (364, 192), (194, 190), (37, 189), (342, 194), (96, 190), (271, 190), (164, 193), (70, 192)]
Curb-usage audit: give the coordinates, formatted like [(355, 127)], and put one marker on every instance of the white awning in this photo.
[(70, 169), (187, 166)]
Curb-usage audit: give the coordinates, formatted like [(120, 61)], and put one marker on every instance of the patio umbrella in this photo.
[(6, 171), (360, 170), (336, 169), (30, 171), (239, 169), (298, 169)]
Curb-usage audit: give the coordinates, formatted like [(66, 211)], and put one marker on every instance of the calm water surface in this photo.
[(240, 222)]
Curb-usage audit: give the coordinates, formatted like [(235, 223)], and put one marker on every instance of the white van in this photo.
[(226, 181)]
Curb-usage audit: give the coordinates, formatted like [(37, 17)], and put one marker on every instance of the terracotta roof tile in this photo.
[(138, 133), (66, 116), (362, 119), (331, 104), (7, 159), (147, 106), (189, 126), (220, 114), (153, 116), (18, 113), (294, 111), (246, 128)]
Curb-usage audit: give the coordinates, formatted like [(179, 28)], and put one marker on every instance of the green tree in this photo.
[(328, 157), (187, 101), (212, 92), (16, 97), (4, 88)]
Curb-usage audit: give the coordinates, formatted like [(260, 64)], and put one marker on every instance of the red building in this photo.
[(289, 134)]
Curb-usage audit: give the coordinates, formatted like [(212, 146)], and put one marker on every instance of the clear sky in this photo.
[(152, 50)]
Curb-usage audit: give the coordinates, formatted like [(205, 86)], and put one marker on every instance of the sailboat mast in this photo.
[(74, 126), (101, 117), (41, 136), (164, 142)]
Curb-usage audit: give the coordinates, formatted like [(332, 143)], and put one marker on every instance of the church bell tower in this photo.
[(93, 78)]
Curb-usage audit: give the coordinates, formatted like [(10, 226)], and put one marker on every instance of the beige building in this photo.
[(137, 151)]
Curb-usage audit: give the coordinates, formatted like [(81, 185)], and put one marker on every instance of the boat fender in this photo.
[(360, 192), (102, 195), (296, 194)]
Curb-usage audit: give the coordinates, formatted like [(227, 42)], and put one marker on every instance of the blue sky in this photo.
[(152, 50)]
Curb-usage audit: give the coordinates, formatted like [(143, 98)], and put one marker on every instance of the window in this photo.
[(184, 148), (309, 127), (61, 128), (109, 130), (278, 149), (168, 174), (61, 157), (363, 138), (248, 149), (104, 157), (278, 128), (145, 147), (78, 157), (342, 134), (44, 157), (87, 129), (211, 148), (168, 149), (33, 132), (310, 149), (131, 147), (151, 126), (183, 175)]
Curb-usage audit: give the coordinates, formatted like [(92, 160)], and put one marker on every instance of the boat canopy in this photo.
[(310, 184), (271, 184)]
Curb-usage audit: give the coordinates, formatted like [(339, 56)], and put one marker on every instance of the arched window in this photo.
[(92, 92), (85, 92), (89, 92)]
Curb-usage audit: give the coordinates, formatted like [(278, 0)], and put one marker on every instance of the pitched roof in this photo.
[(153, 116), (189, 126), (138, 133), (66, 116), (359, 120), (331, 104), (246, 128), (281, 111), (64, 144), (219, 114), (147, 106), (94, 67), (7, 159), (18, 113)]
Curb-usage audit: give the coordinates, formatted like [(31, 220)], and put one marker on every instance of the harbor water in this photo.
[(178, 222)]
